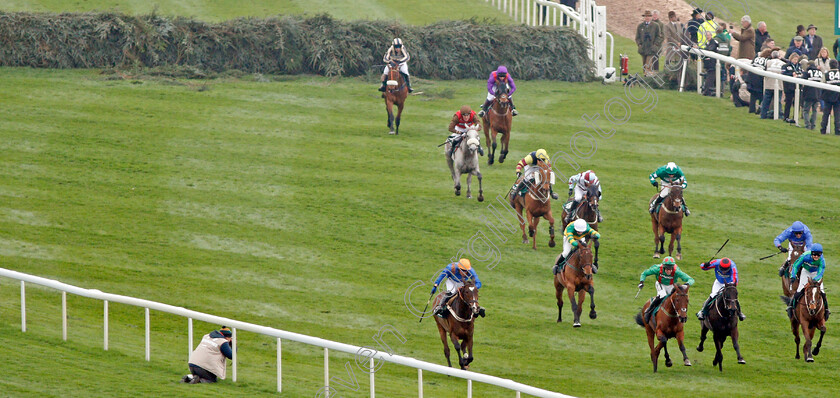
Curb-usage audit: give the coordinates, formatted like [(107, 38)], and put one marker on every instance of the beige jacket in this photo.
[(208, 355)]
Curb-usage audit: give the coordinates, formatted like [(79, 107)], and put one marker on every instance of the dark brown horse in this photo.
[(588, 208), (395, 95), (668, 219), (723, 322), (809, 314), (576, 277), (667, 323), (498, 120), (463, 309), (536, 203), (790, 288)]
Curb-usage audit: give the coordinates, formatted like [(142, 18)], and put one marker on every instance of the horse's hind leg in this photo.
[(592, 313), (718, 354), (480, 190), (671, 245), (389, 107), (558, 292), (399, 113), (445, 345), (456, 176), (532, 229), (819, 342), (734, 334), (680, 341), (655, 238), (678, 232), (794, 327), (703, 331), (550, 218), (581, 297)]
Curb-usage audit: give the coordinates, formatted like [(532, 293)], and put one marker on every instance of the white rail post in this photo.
[(528, 12), (105, 328), (189, 337), (22, 306), (499, 6), (148, 337), (327, 372), (518, 395), (233, 355), (279, 367), (469, 388), (775, 100), (717, 78), (554, 16), (699, 78), (64, 315), (420, 382), (372, 394), (796, 105), (682, 77)]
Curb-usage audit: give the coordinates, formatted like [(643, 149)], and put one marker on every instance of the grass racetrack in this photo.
[(285, 203)]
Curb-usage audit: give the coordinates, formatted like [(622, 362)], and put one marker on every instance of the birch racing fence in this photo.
[(366, 353), (590, 21)]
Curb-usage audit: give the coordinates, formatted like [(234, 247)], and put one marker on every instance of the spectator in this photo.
[(810, 95), (649, 40), (761, 35), (724, 40), (796, 47), (813, 42), (800, 31), (659, 23), (709, 26), (738, 85), (774, 65), (831, 98), (746, 38), (792, 69), (694, 25), (566, 21), (835, 48), (709, 64), (755, 82), (822, 59), (673, 33), (207, 361)]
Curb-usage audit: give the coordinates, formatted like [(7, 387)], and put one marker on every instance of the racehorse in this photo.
[(789, 288), (463, 308), (498, 120), (395, 95), (668, 219), (466, 162), (810, 315), (667, 323), (588, 208), (576, 277), (722, 321), (536, 203)]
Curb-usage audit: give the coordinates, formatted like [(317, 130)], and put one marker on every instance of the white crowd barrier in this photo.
[(235, 325)]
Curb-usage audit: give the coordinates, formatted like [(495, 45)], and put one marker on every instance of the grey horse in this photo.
[(465, 161)]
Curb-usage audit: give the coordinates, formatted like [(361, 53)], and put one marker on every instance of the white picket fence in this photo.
[(590, 22), (263, 330)]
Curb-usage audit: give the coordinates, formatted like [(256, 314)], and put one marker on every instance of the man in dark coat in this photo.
[(761, 34), (649, 40), (831, 98), (813, 42), (694, 25)]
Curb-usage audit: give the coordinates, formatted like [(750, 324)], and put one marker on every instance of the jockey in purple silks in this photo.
[(499, 75)]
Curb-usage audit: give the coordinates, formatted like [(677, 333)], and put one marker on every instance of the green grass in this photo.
[(287, 204), (783, 16), (417, 12)]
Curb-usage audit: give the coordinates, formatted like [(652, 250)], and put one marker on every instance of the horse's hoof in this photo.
[(816, 351), (699, 348), (655, 255), (551, 243), (469, 196), (679, 256), (742, 361), (593, 315), (524, 241), (687, 363), (391, 133), (577, 324), (668, 363), (809, 359), (458, 193), (481, 198), (797, 356)]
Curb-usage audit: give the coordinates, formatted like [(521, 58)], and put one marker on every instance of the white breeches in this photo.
[(803, 279), (403, 69), (461, 129), (716, 288), (665, 191), (663, 290), (491, 96), (567, 248), (452, 286), (790, 250), (530, 169)]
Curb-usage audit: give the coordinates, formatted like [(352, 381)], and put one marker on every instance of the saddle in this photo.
[(656, 309), (658, 206), (568, 205)]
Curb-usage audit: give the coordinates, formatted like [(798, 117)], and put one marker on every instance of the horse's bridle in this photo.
[(468, 302), (674, 305), (665, 207), (544, 180), (808, 304), (723, 298), (582, 266)]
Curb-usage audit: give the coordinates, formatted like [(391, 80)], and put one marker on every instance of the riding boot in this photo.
[(782, 268), (685, 208), (654, 204), (480, 151), (600, 219), (793, 302), (653, 303), (407, 82), (741, 315), (514, 112), (441, 310), (484, 108), (481, 312), (571, 212), (384, 82), (554, 195), (701, 315), (825, 301)]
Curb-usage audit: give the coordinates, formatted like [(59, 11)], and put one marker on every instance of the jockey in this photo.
[(572, 235), (578, 184), (812, 264), (529, 163), (725, 272), (396, 54), (455, 274), (458, 126), (671, 175), (798, 233), (500, 74), (666, 274)]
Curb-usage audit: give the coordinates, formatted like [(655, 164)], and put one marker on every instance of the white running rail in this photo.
[(267, 331), (590, 22)]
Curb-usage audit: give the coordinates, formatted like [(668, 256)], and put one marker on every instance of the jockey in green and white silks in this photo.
[(667, 274), (572, 235), (810, 264), (671, 175)]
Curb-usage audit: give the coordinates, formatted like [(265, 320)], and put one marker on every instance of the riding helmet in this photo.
[(397, 42), (580, 225), (464, 264), (797, 226), (725, 262), (816, 249), (669, 261), (466, 111), (671, 166), (542, 155)]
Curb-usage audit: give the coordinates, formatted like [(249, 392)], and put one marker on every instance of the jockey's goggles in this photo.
[(816, 254)]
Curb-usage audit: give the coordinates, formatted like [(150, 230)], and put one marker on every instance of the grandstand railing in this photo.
[(263, 330), (590, 22), (748, 67)]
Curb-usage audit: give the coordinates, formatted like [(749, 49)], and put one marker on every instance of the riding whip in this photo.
[(772, 255), (426, 307), (716, 253), (637, 294)]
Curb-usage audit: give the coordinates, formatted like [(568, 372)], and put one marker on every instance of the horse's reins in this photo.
[(673, 305), (816, 310), (577, 212), (577, 254), (717, 303), (455, 315), (664, 207)]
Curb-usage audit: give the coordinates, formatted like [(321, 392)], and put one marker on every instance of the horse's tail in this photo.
[(786, 299), (640, 319)]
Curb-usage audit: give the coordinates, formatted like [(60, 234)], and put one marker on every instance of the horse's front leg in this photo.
[(399, 113), (808, 333), (456, 177), (718, 351), (490, 154), (655, 228), (671, 245), (592, 313), (734, 335), (480, 190), (661, 239), (558, 292), (581, 297), (570, 290), (703, 331), (668, 362), (457, 345), (680, 341), (654, 356), (389, 107), (794, 327), (469, 181), (821, 327), (678, 233), (597, 245)]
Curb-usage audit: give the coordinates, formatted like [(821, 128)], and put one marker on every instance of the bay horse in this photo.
[(723, 322), (466, 162), (789, 288), (536, 203), (498, 119), (809, 314), (576, 277), (459, 324), (668, 219), (588, 208), (668, 322), (395, 95)]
